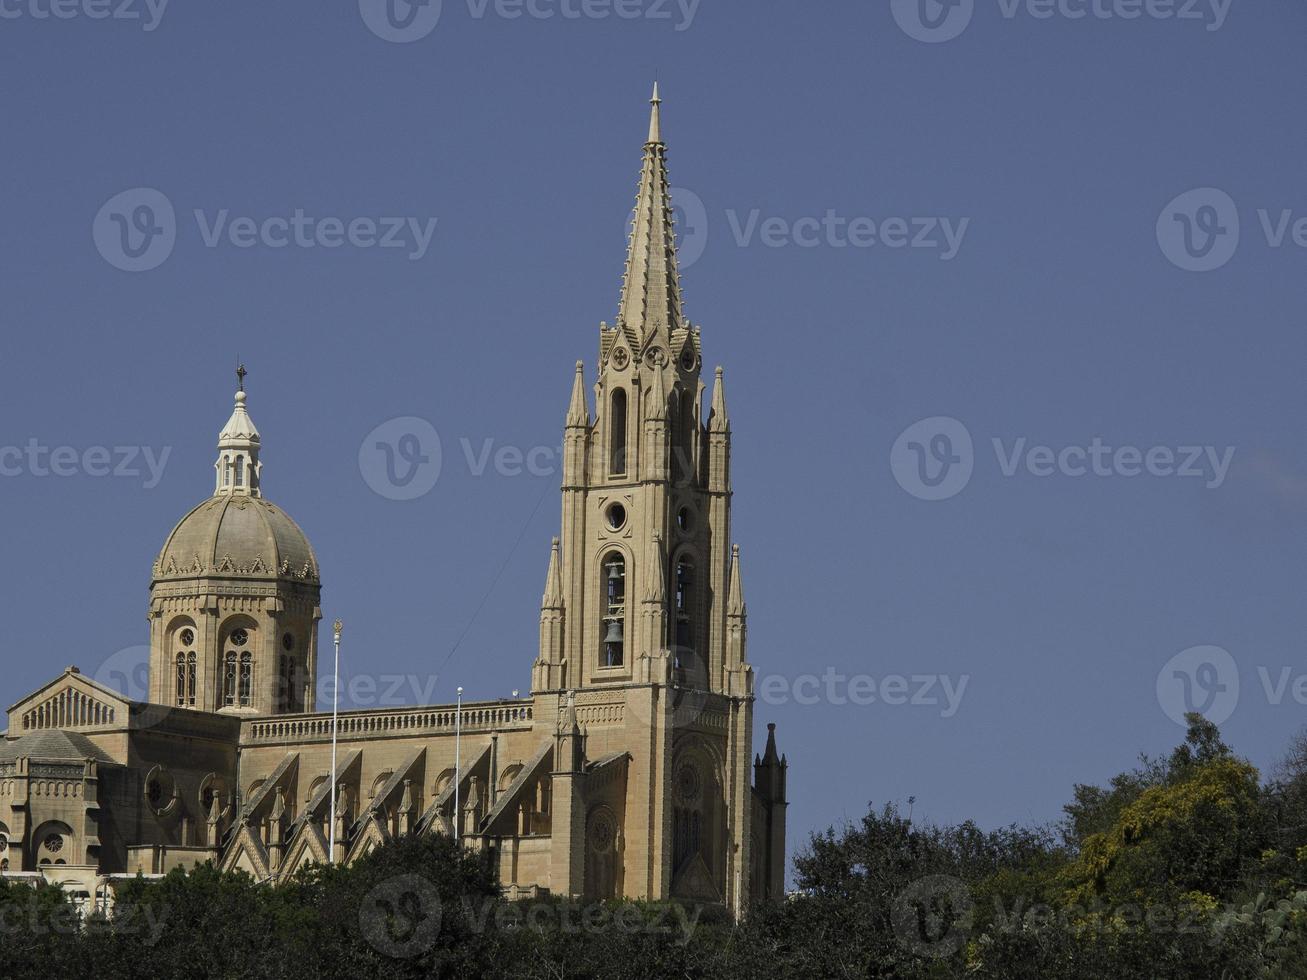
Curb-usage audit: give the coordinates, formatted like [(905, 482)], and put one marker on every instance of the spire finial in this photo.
[(655, 121), (240, 375), (651, 283)]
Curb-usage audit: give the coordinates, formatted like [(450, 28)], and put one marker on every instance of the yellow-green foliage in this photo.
[(1196, 820)]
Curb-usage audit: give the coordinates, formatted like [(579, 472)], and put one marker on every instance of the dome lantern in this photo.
[(238, 467)]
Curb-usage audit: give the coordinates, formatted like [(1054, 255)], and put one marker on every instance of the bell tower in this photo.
[(642, 594), (639, 579)]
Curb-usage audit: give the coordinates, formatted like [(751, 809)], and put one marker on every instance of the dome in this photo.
[(236, 533), (242, 536), (231, 535)]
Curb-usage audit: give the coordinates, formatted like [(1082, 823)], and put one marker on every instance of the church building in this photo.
[(628, 771)]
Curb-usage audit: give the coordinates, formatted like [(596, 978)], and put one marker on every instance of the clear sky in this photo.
[(1032, 155)]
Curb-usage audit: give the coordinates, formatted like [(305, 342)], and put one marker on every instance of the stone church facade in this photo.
[(628, 771)]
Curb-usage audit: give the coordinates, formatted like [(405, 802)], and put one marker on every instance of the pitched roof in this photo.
[(53, 744)]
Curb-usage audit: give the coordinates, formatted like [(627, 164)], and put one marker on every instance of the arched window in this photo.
[(613, 625), (181, 679), (240, 471), (683, 600), (190, 679), (229, 681), (287, 683), (247, 679), (617, 433), (226, 472), (683, 423)]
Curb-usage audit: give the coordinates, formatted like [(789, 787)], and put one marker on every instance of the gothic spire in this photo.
[(651, 288)]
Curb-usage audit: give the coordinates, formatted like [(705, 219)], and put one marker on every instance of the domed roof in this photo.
[(236, 533), (233, 535)]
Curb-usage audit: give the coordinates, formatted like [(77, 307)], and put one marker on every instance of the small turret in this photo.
[(238, 467)]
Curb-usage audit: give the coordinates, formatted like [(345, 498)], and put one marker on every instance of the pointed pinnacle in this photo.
[(769, 754), (553, 598), (717, 418), (578, 415), (655, 120), (735, 597)]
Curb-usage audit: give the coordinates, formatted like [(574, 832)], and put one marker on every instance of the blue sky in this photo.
[(812, 145)]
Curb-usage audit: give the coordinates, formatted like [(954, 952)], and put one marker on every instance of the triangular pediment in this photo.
[(308, 847), (695, 881), (72, 701), (371, 835), (247, 853)]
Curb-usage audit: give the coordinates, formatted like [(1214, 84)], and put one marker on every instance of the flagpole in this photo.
[(335, 708), (458, 733)]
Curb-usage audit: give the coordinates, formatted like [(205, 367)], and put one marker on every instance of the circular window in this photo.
[(688, 783), (154, 792), (188, 637), (684, 520), (4, 843), (616, 516), (288, 642), (603, 831), (240, 637), (54, 843)]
